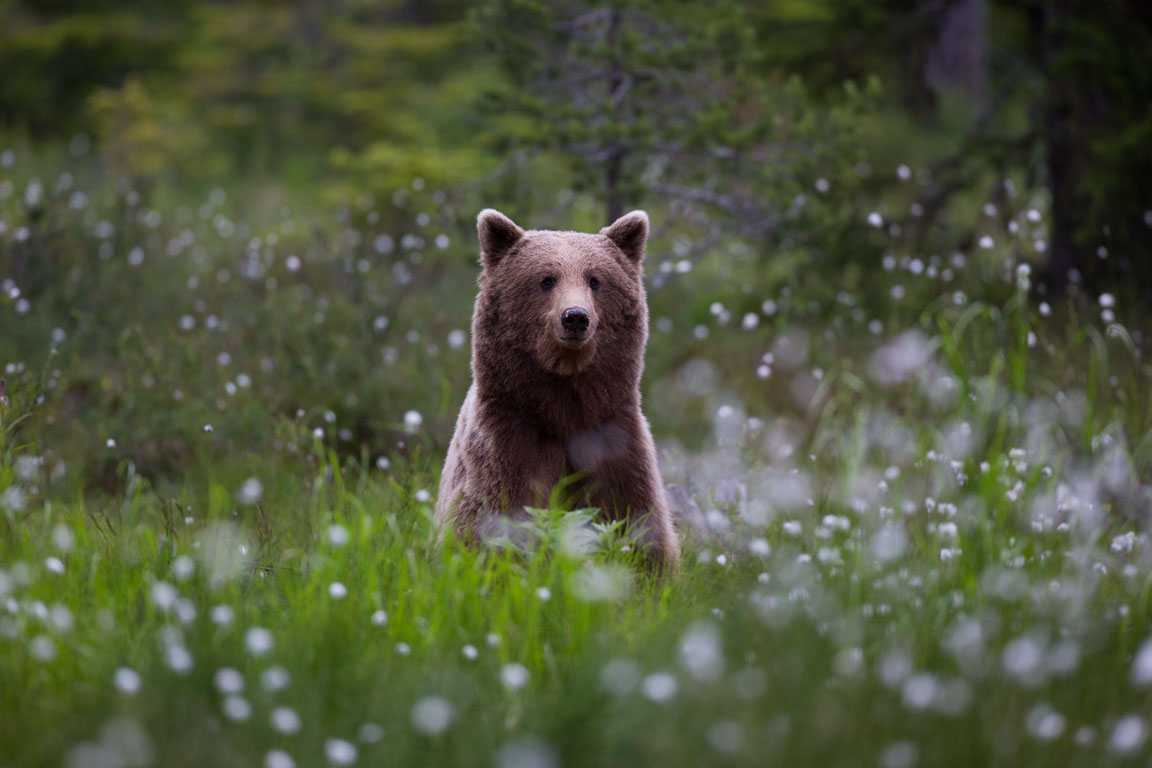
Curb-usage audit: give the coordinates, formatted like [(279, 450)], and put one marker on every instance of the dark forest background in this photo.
[(260, 215), (723, 111)]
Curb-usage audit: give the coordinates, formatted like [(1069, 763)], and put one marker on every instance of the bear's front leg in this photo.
[(623, 481), (506, 465)]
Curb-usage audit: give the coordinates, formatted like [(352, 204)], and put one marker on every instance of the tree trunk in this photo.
[(613, 205), (1066, 155)]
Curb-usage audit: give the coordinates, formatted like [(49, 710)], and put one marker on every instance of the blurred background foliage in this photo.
[(264, 209), (728, 107)]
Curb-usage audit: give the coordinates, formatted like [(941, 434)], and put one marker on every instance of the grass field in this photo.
[(913, 511)]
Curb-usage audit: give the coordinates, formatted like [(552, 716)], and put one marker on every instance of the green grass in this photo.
[(914, 520), (831, 648)]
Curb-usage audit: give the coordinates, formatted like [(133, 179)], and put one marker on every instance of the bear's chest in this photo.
[(572, 413)]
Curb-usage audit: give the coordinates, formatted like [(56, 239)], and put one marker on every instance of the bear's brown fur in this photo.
[(556, 391)]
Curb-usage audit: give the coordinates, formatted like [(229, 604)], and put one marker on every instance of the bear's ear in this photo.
[(498, 234), (629, 233)]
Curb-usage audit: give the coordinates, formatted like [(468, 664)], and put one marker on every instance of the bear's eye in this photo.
[(593, 283), (547, 283)]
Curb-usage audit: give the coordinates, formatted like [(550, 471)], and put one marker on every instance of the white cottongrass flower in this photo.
[(228, 680), (178, 658), (278, 758), (1124, 543), (1128, 735), (620, 676), (13, 498), (338, 535), (529, 752), (123, 742), (127, 681), (237, 708), (370, 733), (275, 679), (183, 568), (919, 691), (1023, 660), (432, 715), (514, 676), (61, 618), (222, 614), (1085, 735), (413, 420), (340, 752), (849, 661), (63, 538), (889, 542), (258, 641), (1142, 665), (900, 754), (284, 720), (42, 648), (702, 653), (185, 610), (660, 686), (726, 736), (602, 583), (1044, 723), (250, 492), (901, 359)]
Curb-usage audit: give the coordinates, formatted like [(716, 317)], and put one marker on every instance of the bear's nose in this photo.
[(575, 320)]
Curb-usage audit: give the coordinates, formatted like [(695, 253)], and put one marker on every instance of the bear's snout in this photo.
[(574, 326), (575, 322)]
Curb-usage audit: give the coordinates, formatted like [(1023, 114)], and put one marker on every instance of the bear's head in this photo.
[(569, 301)]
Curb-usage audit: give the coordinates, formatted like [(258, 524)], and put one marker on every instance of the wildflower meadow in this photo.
[(911, 473)]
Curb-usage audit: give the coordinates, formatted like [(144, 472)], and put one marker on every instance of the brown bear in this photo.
[(558, 336)]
